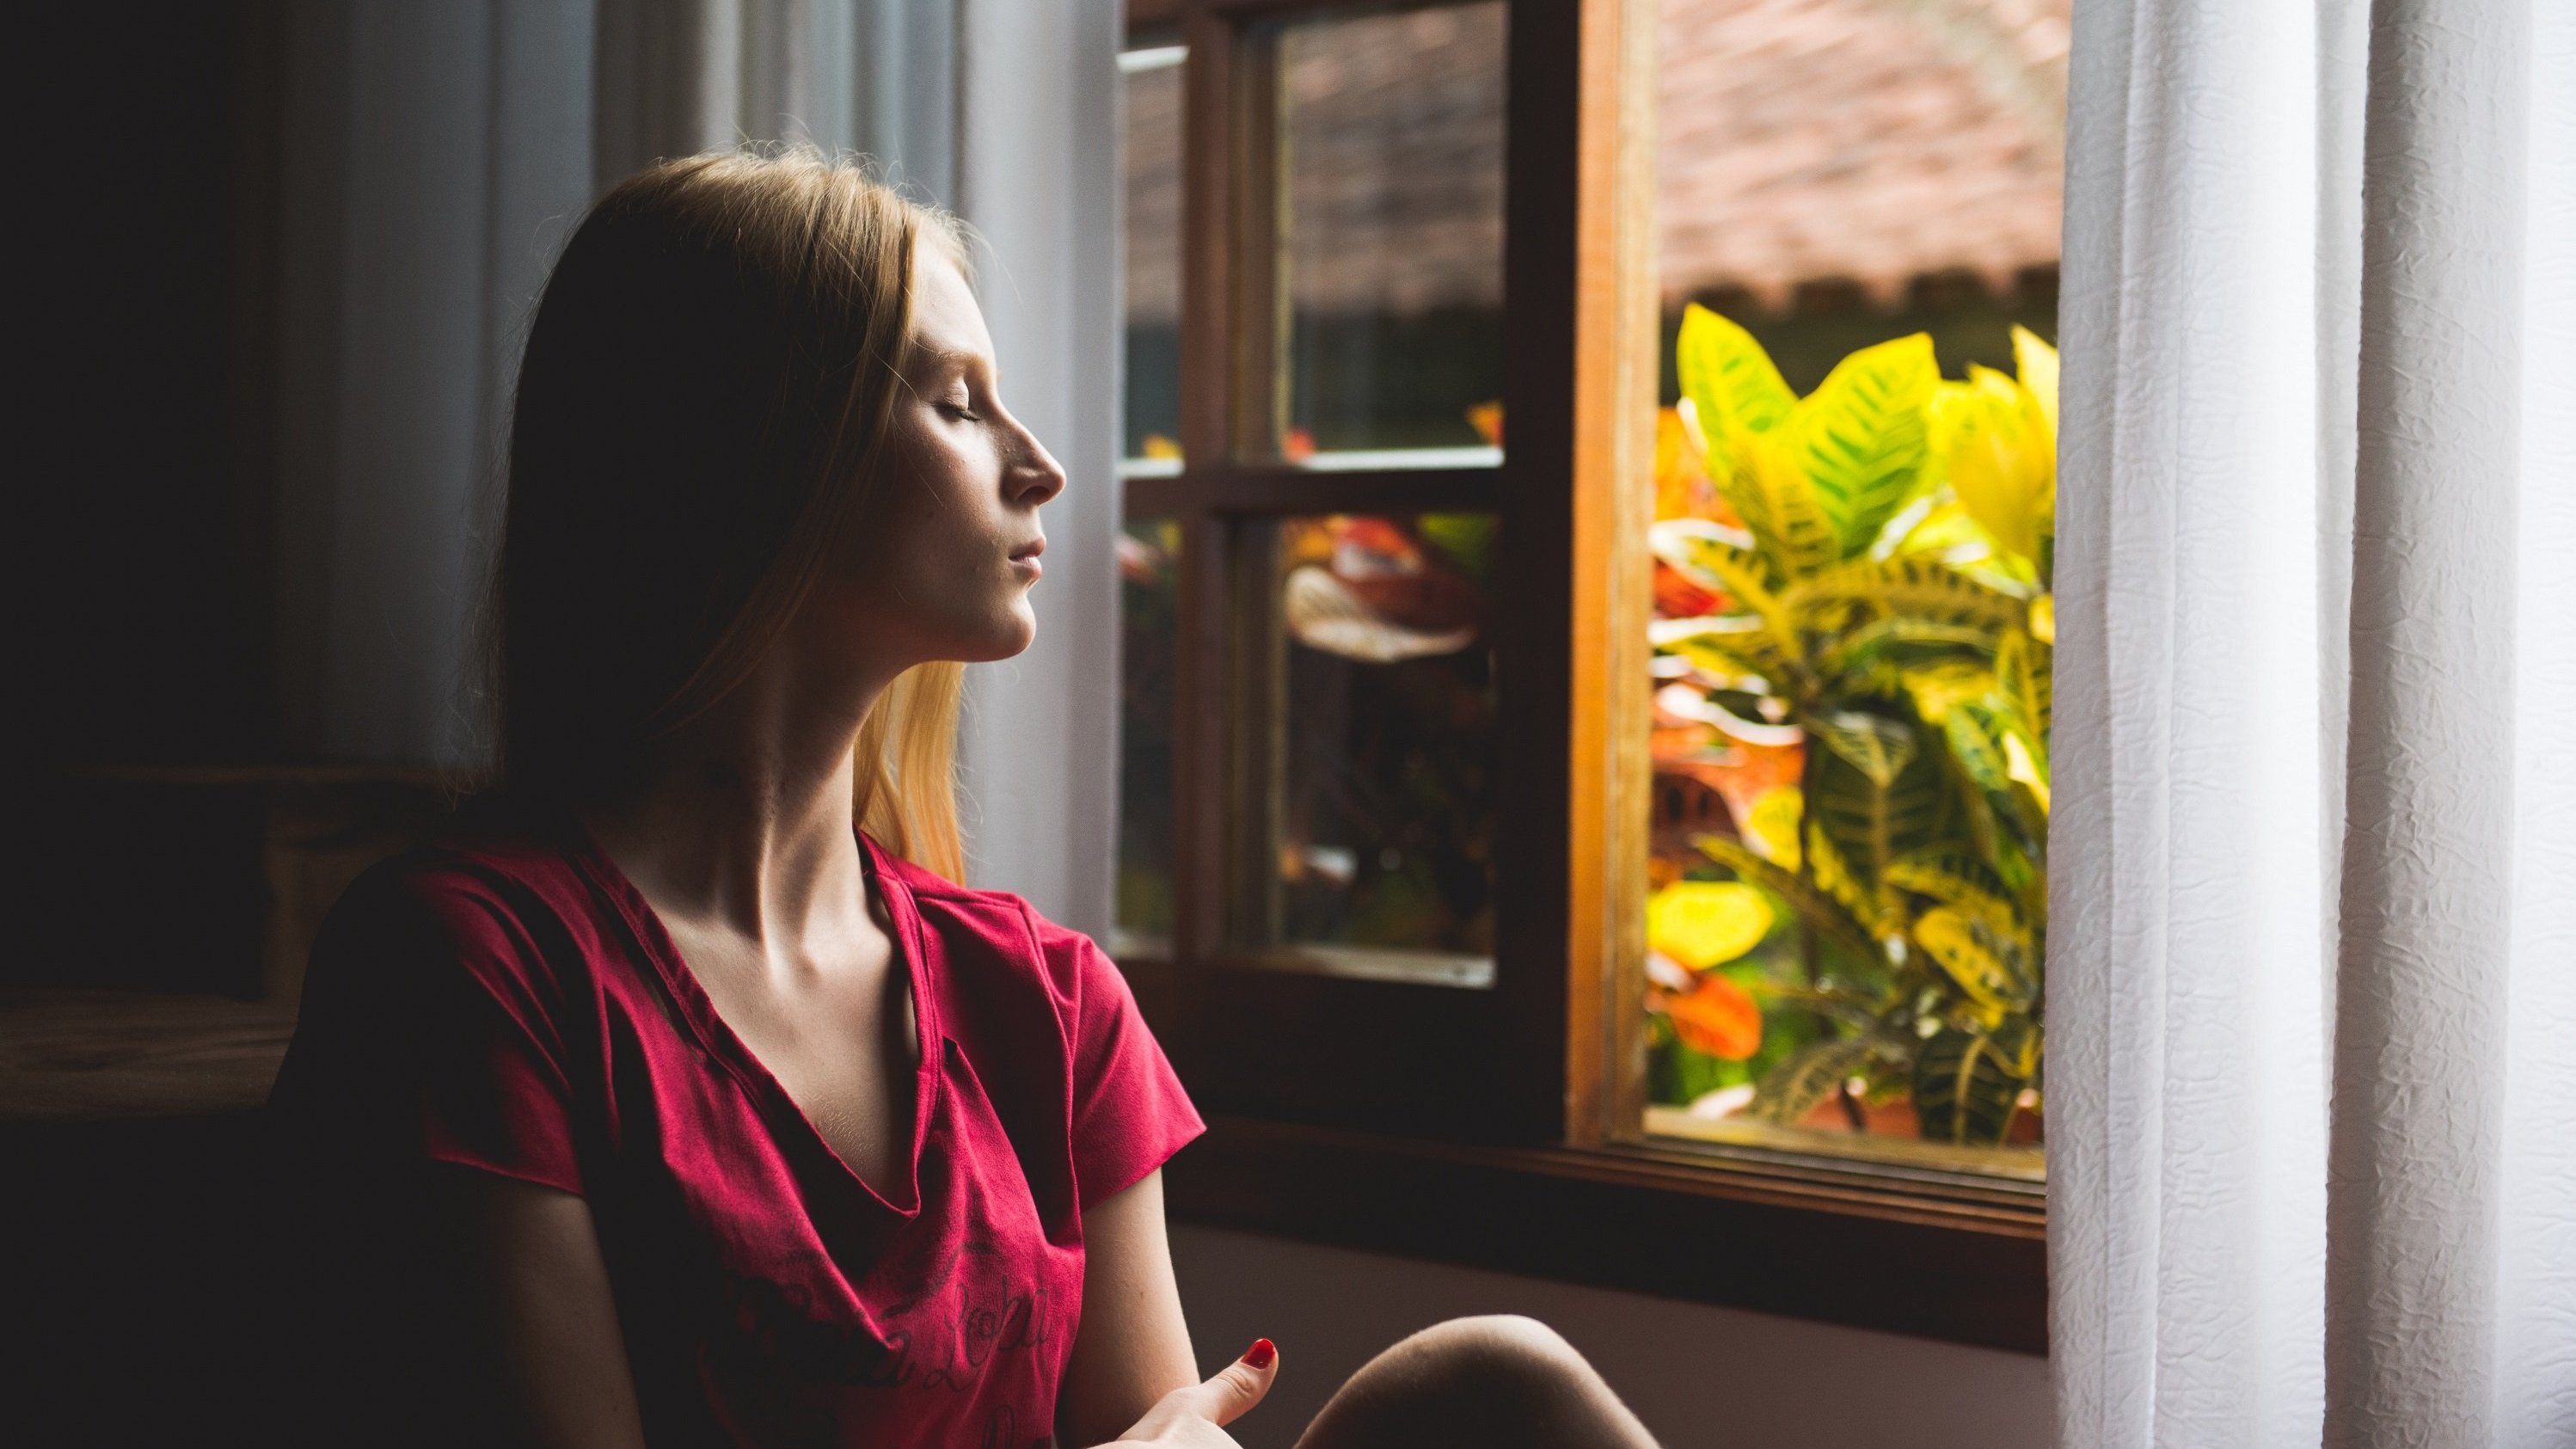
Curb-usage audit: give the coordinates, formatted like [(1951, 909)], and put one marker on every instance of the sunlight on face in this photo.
[(944, 554)]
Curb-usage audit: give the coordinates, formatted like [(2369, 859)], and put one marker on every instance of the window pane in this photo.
[(1388, 322), (1846, 905), (1149, 600), (1365, 781), (1151, 437)]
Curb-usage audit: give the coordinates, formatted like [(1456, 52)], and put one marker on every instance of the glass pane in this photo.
[(1149, 602), (1368, 775), (1390, 239), (1151, 436), (1846, 908)]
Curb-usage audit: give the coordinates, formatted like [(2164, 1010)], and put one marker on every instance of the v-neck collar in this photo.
[(722, 1043)]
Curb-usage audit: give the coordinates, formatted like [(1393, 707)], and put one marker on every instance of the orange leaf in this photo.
[(1679, 597), (1718, 1017)]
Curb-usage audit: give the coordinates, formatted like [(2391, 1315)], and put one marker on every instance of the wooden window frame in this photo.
[(1502, 1128)]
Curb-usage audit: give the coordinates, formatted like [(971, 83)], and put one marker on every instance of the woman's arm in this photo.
[(1133, 1346), (535, 1317)]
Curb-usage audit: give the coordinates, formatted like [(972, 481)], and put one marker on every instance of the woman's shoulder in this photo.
[(1000, 926), (493, 883), (1007, 914), (479, 855)]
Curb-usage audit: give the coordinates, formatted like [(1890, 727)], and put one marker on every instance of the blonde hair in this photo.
[(702, 409)]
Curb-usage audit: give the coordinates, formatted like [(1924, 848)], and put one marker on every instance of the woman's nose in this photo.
[(1035, 476)]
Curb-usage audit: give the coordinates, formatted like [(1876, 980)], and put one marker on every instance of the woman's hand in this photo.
[(1195, 1417)]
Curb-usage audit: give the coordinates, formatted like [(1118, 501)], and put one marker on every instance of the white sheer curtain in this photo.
[(431, 158), (872, 76), (2312, 1051)]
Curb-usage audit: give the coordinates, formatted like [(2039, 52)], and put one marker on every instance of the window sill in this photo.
[(1933, 1257)]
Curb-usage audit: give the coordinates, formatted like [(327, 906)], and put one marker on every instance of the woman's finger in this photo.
[(1238, 1386)]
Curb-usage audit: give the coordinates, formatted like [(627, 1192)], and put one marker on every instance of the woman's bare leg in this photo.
[(1500, 1382)]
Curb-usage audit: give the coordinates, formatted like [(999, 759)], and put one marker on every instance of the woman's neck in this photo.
[(743, 818)]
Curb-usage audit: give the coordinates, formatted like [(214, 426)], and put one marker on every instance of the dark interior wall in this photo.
[(140, 489)]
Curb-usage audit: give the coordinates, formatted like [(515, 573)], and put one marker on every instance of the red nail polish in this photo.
[(1262, 1352)]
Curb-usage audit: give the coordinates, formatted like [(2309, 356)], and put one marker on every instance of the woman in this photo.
[(684, 1098)]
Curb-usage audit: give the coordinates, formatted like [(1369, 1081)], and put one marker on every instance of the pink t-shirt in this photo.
[(514, 1006)]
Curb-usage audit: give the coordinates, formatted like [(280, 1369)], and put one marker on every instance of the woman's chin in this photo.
[(1011, 634)]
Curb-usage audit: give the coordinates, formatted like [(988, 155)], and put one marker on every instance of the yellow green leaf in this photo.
[(1976, 742), (1704, 923), (1730, 382), (1966, 952), (1833, 875), (1935, 687), (2026, 770), (1944, 527), (1859, 437), (1906, 587), (1725, 658), (1878, 747), (1956, 879), (1821, 912), (2022, 677), (2036, 361), (1771, 824), (2002, 459), (1967, 1085), (1770, 492)]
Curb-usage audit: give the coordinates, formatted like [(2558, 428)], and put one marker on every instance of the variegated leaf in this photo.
[(1859, 437)]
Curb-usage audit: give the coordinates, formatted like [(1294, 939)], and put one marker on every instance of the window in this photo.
[(1859, 208), (1150, 447), (1466, 865), (1150, 76), (1385, 238)]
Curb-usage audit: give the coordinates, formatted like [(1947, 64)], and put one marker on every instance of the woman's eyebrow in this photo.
[(953, 357)]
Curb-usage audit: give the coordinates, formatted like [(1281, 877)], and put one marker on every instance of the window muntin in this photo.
[(1385, 241), (1844, 898)]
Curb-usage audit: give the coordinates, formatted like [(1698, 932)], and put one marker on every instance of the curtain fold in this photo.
[(2311, 1050), (876, 77), (2535, 1304), (433, 156)]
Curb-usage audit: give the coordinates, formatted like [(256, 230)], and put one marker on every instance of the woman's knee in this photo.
[(1500, 1352), (1498, 1380)]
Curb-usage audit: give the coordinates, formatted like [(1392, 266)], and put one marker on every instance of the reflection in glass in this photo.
[(1149, 599), (1371, 793), (1846, 912), (1151, 434), (1390, 237)]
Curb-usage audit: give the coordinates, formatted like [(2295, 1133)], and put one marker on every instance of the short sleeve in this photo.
[(432, 1030), (1130, 1113)]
